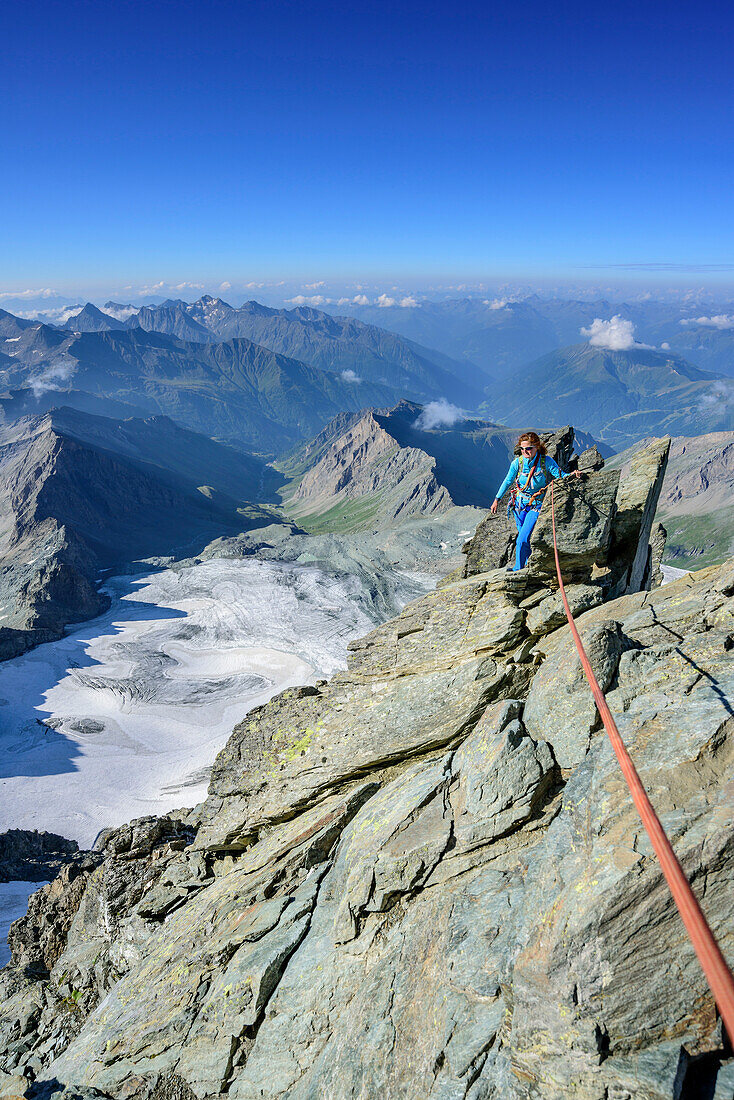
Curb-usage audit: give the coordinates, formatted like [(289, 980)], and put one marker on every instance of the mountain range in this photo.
[(81, 493), (306, 366), (503, 333), (619, 396), (234, 390), (340, 345)]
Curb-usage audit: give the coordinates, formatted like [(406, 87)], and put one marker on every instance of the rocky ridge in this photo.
[(366, 464), (423, 878)]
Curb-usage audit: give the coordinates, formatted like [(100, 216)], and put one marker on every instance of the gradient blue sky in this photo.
[(277, 139)]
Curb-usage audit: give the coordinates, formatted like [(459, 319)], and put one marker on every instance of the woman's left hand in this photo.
[(577, 473)]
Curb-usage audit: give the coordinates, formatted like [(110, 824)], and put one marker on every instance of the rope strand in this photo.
[(713, 963)]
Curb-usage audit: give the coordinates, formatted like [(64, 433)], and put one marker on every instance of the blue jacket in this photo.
[(539, 480)]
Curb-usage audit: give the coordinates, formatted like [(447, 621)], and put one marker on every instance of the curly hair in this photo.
[(532, 437)]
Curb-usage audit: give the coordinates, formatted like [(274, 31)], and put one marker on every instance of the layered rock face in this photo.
[(424, 878)]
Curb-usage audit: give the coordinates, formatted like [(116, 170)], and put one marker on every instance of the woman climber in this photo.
[(532, 472)]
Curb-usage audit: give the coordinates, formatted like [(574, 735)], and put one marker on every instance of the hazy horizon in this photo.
[(330, 296)]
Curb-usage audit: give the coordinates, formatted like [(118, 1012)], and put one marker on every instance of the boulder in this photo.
[(590, 460), (585, 512), (560, 707), (549, 613)]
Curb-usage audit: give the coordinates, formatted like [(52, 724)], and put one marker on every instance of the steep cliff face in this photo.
[(425, 877)]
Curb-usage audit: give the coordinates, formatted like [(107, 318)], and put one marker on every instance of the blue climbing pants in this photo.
[(525, 519)]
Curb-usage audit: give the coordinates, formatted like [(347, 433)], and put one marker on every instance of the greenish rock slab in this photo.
[(480, 614), (560, 707), (549, 612), (585, 513), (283, 760), (501, 775)]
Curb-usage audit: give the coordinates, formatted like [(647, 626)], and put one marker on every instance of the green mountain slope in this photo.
[(619, 396)]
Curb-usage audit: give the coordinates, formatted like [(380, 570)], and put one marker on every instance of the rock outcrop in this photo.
[(31, 856), (493, 544), (696, 498), (423, 878)]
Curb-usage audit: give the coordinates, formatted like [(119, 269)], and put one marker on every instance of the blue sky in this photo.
[(274, 139)]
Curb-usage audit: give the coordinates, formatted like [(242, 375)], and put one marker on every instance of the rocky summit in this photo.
[(424, 878)]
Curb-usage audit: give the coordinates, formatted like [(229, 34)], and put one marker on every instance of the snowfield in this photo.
[(125, 715)]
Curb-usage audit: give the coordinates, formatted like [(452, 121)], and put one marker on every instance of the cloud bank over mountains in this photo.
[(720, 321)]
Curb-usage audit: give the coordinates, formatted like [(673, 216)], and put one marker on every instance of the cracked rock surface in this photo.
[(422, 879)]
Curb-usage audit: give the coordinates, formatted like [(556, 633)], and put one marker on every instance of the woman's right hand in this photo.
[(493, 509)]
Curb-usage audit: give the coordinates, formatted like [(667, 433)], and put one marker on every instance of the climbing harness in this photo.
[(713, 963), (518, 488)]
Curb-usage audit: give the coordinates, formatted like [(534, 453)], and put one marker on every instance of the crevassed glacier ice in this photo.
[(125, 715)]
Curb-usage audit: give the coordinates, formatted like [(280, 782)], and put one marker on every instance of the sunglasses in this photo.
[(527, 449)]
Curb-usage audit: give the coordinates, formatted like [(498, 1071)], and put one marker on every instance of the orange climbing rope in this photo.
[(713, 963)]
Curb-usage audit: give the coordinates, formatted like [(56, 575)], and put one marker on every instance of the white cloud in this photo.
[(43, 293), (615, 334), (52, 377), (350, 376), (225, 286), (720, 321), (721, 393), (187, 286), (313, 300), (58, 316), (314, 286), (439, 414), (121, 313), (384, 302), (408, 303), (665, 346), (497, 303), (357, 300)]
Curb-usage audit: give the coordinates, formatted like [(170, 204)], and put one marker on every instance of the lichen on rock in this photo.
[(424, 878)]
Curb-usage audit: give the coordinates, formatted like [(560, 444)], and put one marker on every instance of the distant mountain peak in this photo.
[(91, 319)]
